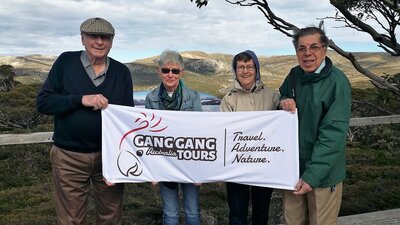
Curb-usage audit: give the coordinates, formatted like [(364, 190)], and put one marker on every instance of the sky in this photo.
[(144, 28)]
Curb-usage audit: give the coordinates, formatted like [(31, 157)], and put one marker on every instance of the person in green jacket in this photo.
[(322, 95)]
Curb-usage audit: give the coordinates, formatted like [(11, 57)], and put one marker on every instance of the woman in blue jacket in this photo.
[(173, 95)]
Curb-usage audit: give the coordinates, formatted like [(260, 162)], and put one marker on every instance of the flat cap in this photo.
[(97, 25)]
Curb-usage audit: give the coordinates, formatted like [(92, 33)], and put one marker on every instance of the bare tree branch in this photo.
[(376, 80), (278, 23)]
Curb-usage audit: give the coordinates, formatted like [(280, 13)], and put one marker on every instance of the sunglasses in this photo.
[(174, 71)]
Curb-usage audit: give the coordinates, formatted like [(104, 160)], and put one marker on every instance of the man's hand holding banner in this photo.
[(256, 148)]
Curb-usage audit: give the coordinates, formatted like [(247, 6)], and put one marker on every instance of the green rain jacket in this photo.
[(323, 104)]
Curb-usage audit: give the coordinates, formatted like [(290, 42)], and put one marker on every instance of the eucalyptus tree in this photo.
[(354, 14)]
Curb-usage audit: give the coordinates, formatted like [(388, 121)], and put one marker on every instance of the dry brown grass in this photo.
[(273, 69)]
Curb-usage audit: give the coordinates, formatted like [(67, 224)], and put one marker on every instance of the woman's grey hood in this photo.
[(256, 63)]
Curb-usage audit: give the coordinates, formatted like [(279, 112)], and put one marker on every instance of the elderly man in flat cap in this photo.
[(78, 86)]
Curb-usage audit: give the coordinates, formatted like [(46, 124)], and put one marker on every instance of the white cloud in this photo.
[(145, 28)]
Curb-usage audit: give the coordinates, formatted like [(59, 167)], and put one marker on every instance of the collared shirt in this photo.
[(96, 79), (320, 67)]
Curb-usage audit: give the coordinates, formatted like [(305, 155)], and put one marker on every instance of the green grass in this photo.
[(26, 188)]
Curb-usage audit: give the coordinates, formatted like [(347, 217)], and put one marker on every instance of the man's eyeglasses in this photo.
[(174, 71), (241, 68), (312, 48)]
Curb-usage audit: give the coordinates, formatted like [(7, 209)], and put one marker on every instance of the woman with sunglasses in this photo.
[(172, 94)]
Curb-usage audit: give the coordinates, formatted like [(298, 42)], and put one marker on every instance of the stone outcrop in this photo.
[(206, 66)]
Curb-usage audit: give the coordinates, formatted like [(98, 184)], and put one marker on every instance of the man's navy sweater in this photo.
[(76, 127)]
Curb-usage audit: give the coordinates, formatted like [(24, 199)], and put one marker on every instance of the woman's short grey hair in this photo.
[(170, 57), (310, 31)]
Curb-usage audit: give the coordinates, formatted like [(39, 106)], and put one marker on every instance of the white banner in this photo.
[(255, 148)]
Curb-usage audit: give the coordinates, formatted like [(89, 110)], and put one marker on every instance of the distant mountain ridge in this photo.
[(211, 73)]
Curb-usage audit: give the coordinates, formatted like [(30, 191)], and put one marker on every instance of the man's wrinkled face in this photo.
[(310, 52), (97, 46)]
